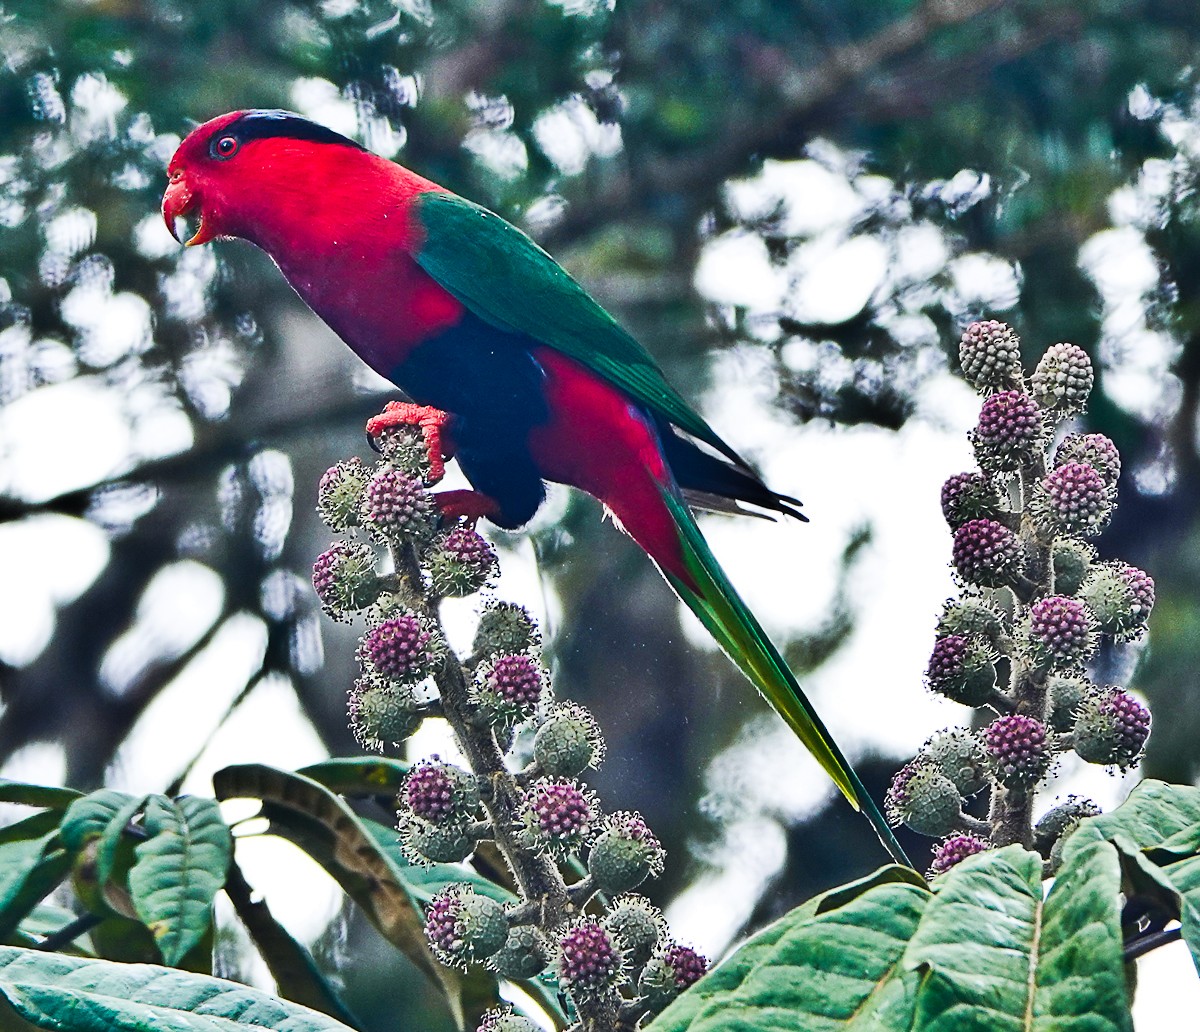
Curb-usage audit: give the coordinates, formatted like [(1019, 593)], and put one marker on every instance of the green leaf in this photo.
[(74, 994), (313, 818), (837, 969), (1154, 816), (359, 775), (86, 818), (111, 838), (994, 955), (1081, 982), (35, 826), (1157, 831), (30, 868), (37, 795), (179, 870), (983, 952)]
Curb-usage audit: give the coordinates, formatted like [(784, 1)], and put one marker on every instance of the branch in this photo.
[(1140, 946)]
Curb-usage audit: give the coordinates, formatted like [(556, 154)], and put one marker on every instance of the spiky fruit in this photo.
[(986, 553), (636, 926), (968, 496), (1071, 560), (962, 670), (568, 742), (1111, 727), (1063, 378), (382, 714), (1121, 596), (396, 507), (924, 799), (1072, 499), (434, 843), (1094, 450), (990, 353), (344, 578), (525, 954), (508, 688), (339, 493), (460, 563), (463, 926), (400, 648), (668, 973), (1017, 750), (1142, 586), (1061, 820), (1066, 692), (960, 755), (625, 853), (954, 850), (501, 1019), (505, 627), (404, 447), (1061, 632), (969, 617), (440, 793), (559, 816), (1009, 431), (588, 959)]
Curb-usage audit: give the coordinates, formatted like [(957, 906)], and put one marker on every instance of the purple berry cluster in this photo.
[(1036, 604), (400, 647), (1009, 429), (953, 850), (588, 957)]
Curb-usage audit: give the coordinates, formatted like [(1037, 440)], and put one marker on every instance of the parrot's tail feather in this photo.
[(707, 592)]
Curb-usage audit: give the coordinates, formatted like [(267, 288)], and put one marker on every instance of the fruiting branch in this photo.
[(1033, 594), (616, 964)]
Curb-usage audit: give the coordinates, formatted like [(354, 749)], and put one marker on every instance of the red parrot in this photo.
[(515, 370)]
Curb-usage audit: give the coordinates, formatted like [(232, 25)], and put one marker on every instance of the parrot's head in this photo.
[(239, 170)]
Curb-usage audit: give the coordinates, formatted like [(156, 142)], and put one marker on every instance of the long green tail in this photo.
[(735, 628)]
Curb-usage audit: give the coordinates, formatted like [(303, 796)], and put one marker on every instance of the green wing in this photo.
[(507, 280)]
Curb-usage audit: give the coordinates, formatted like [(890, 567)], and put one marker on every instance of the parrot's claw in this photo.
[(464, 505), (430, 421)]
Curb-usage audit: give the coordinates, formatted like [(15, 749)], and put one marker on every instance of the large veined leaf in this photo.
[(837, 969), (179, 870), (76, 994), (994, 953), (984, 948), (309, 815)]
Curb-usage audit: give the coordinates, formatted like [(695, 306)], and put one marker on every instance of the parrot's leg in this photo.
[(433, 424), (465, 505), (430, 421)]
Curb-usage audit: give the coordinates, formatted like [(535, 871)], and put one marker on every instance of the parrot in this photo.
[(512, 368)]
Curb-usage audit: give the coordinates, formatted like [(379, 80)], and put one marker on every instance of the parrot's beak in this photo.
[(179, 202)]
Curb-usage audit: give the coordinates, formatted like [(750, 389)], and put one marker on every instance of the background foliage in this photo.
[(1036, 142)]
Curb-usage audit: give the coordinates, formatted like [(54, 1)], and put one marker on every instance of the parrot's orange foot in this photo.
[(430, 421), (465, 505)]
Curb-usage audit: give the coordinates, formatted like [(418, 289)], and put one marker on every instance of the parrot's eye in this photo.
[(225, 147)]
